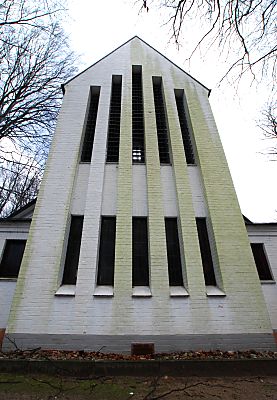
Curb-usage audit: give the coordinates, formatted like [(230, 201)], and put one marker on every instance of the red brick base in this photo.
[(2, 333), (142, 348), (275, 336)]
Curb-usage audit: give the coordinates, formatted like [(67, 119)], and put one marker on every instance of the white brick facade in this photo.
[(236, 319)]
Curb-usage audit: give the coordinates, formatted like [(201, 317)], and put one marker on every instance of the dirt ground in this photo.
[(38, 387)]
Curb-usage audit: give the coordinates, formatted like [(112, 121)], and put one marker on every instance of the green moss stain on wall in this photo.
[(33, 243), (159, 284), (193, 271), (193, 268), (121, 314), (123, 249), (20, 285), (156, 226), (232, 245), (29, 250)]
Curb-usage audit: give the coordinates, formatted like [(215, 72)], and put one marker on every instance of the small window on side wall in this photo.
[(261, 262), (11, 259), (73, 250), (206, 254)]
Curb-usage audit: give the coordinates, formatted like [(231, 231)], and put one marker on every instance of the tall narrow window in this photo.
[(206, 254), (161, 122), (261, 261), (114, 120), (106, 252), (140, 252), (179, 97), (91, 122), (73, 250), (11, 259), (173, 253), (137, 115)]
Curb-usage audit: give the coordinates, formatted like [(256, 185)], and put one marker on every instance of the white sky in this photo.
[(97, 27)]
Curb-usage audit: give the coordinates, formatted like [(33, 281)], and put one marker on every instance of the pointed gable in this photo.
[(137, 51)]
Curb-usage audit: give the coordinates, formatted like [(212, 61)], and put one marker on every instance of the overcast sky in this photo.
[(97, 27)]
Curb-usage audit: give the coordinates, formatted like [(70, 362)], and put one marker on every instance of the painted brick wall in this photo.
[(169, 191), (237, 269), (109, 198), (121, 321), (40, 269), (156, 228), (79, 196), (139, 189), (193, 265)]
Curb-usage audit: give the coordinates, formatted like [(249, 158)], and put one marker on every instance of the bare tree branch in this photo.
[(32, 70), (268, 125), (268, 122), (19, 182), (29, 13), (251, 24), (35, 60), (244, 31)]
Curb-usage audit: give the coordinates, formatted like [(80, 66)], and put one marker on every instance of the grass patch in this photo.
[(61, 387)]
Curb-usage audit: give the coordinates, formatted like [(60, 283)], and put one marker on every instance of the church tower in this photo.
[(137, 235)]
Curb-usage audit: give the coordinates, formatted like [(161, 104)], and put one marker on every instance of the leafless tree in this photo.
[(20, 177), (32, 69), (29, 13), (249, 24), (268, 125), (34, 60), (244, 31)]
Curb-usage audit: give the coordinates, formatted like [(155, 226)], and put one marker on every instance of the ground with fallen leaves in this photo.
[(41, 387), (38, 387), (38, 354)]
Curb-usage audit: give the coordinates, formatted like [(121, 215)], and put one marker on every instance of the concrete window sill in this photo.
[(214, 291), (66, 290), (141, 291), (8, 279), (178, 291), (104, 291), (269, 282)]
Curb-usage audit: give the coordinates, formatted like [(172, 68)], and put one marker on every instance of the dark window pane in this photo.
[(179, 97), (106, 251), (137, 116), (173, 253), (161, 122), (206, 254), (114, 120), (91, 122), (12, 257), (140, 252), (261, 261), (73, 250)]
